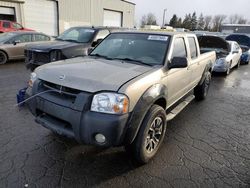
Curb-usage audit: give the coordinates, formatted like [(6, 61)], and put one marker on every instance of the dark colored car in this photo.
[(8, 26), (244, 42), (74, 42)]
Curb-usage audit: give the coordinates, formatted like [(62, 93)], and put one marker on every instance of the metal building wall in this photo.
[(18, 5), (90, 12)]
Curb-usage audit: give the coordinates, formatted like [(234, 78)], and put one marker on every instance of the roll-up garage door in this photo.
[(41, 16), (112, 18), (7, 13)]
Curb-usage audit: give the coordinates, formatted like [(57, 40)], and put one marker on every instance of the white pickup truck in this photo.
[(124, 92)]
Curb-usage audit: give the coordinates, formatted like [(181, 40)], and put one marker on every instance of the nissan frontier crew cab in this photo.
[(124, 92)]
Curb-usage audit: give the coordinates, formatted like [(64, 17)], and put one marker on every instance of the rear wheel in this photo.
[(150, 135), (228, 69), (201, 91), (238, 64), (3, 57)]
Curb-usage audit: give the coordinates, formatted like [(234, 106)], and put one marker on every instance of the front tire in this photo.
[(201, 91), (150, 135), (3, 57)]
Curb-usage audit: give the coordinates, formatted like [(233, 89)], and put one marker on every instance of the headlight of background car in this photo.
[(33, 78), (110, 103), (55, 55)]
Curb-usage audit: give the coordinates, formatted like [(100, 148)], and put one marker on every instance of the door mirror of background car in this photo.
[(96, 42), (178, 62), (16, 42)]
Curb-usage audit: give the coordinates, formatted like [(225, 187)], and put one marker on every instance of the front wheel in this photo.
[(3, 57), (150, 135), (201, 91)]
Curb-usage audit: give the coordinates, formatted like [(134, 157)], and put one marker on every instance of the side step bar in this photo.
[(171, 115)]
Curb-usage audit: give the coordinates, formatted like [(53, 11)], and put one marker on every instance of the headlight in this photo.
[(110, 103), (33, 78), (55, 55)]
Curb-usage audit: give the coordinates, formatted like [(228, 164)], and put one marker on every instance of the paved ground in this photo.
[(207, 145)]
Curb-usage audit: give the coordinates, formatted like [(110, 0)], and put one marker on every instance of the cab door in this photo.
[(178, 79), (195, 65), (16, 45)]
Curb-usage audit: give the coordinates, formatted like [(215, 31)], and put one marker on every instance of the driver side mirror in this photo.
[(16, 42), (96, 42), (178, 62)]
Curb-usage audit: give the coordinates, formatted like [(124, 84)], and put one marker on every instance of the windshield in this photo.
[(77, 34), (6, 36), (149, 49)]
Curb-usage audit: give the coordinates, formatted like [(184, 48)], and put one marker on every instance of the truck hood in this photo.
[(53, 45), (213, 42), (90, 74)]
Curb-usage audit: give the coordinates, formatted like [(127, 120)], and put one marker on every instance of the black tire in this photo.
[(238, 65), (228, 70), (201, 91), (3, 57), (147, 137)]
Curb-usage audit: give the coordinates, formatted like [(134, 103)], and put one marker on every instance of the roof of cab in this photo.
[(169, 33)]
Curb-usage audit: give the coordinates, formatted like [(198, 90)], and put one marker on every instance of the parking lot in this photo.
[(207, 145)]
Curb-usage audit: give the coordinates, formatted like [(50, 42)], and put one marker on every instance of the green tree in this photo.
[(201, 22), (173, 21), (194, 21), (187, 21), (179, 23)]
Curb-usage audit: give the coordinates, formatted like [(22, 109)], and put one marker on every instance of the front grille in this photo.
[(62, 89), (40, 57)]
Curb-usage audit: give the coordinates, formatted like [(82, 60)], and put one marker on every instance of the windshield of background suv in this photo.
[(149, 49), (6, 36), (80, 35)]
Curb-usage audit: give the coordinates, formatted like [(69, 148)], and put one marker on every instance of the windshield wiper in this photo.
[(133, 60), (102, 56)]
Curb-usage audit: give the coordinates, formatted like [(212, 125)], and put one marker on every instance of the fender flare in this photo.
[(208, 68), (149, 97)]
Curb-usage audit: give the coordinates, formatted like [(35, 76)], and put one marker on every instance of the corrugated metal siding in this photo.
[(90, 12), (74, 13), (17, 6)]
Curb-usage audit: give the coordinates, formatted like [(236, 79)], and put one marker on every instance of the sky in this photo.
[(181, 7)]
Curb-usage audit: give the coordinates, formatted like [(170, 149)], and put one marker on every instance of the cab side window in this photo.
[(193, 47), (179, 49), (102, 34)]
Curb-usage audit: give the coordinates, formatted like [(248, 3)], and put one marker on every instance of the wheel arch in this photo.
[(7, 55), (155, 94)]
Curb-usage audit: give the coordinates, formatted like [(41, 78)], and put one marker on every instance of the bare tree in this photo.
[(217, 22), (237, 19), (148, 19), (242, 21), (207, 20)]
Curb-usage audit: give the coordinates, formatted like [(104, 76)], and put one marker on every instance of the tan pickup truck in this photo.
[(124, 92)]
